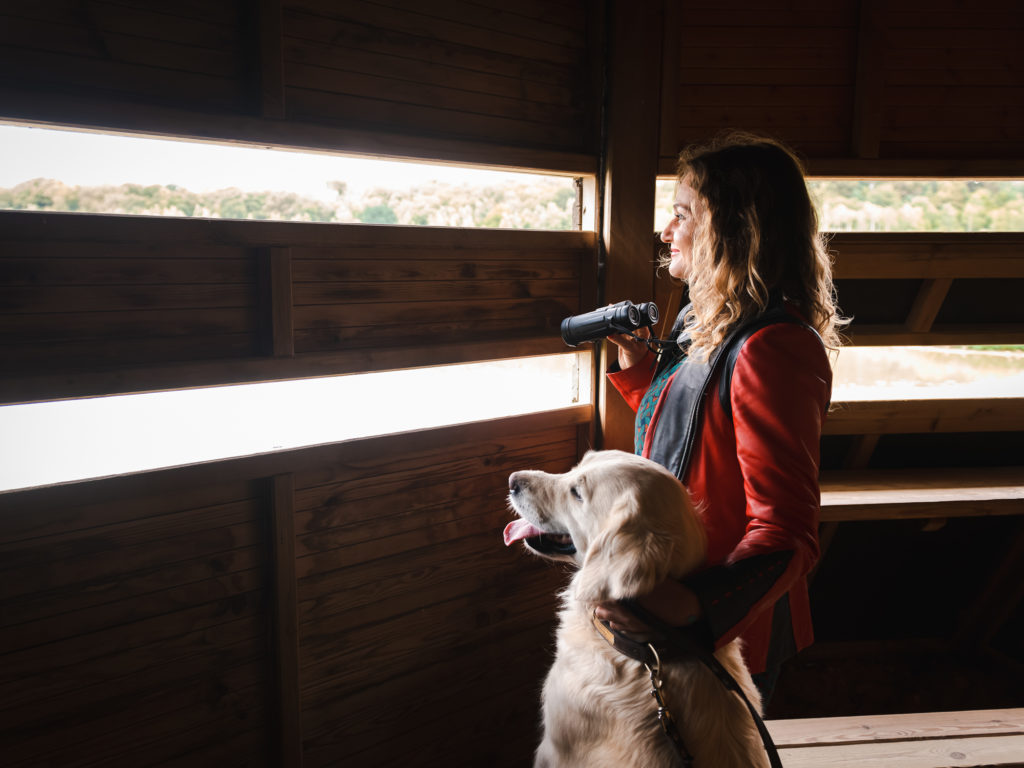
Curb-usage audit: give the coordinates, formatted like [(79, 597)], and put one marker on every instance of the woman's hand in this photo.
[(672, 602), (631, 350)]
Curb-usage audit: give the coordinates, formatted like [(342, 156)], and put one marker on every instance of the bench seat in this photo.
[(891, 494), (992, 737)]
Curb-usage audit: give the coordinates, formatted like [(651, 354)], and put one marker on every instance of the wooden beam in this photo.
[(671, 67), (156, 121), (900, 727), (886, 417), (927, 304), (929, 256), (898, 335), (899, 494), (939, 167), (870, 84), (271, 61), (282, 330), (861, 451), (285, 622), (631, 166)]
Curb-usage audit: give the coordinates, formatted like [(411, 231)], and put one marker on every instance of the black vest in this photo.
[(688, 392)]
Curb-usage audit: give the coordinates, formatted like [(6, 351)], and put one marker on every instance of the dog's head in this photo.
[(625, 520)]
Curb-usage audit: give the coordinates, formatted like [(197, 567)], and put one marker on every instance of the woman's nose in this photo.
[(666, 233)]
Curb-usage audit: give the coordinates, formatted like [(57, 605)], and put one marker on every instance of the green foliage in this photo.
[(377, 214), (928, 205), (170, 200), (533, 204)]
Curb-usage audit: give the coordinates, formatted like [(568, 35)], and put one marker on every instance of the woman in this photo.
[(735, 407)]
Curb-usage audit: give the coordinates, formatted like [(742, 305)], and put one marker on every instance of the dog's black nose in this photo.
[(514, 484)]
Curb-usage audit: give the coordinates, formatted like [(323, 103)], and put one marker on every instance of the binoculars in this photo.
[(624, 317)]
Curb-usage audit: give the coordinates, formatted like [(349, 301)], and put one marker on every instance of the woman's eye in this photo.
[(576, 493)]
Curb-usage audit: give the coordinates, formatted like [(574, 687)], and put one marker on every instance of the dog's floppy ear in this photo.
[(626, 559)]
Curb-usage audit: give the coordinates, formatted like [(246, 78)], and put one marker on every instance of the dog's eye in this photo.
[(575, 491)]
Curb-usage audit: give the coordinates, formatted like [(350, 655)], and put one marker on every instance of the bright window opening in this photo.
[(65, 441), (44, 169), (902, 205), (914, 205), (914, 373)]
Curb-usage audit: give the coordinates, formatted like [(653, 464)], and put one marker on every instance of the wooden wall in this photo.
[(858, 87), (103, 304), (294, 608), (345, 604), (447, 80)]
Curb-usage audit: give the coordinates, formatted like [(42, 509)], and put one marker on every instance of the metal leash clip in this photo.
[(664, 716)]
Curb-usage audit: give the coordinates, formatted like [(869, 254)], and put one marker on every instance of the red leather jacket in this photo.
[(754, 478)]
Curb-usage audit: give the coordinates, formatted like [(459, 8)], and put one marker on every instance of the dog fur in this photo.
[(632, 525)]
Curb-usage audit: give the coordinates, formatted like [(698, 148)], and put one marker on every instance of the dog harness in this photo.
[(676, 643)]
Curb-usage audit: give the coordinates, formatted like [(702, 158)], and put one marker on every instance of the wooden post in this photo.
[(285, 631), (631, 168)]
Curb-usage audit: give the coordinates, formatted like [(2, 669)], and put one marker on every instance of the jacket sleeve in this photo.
[(780, 391), (633, 382)]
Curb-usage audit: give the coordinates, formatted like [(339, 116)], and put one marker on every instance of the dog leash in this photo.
[(680, 643)]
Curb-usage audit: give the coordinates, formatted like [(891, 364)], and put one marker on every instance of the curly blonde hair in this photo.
[(755, 237)]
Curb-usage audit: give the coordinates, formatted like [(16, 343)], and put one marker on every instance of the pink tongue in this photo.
[(519, 529)]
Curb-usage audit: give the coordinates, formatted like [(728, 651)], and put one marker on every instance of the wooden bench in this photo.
[(992, 737), (890, 494)]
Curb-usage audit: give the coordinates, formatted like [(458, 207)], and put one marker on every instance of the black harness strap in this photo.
[(678, 642)]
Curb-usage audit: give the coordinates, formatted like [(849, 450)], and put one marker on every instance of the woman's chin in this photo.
[(678, 270)]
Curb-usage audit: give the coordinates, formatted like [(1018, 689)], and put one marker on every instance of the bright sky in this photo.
[(92, 159)]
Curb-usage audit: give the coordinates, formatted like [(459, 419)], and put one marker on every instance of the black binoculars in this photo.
[(624, 317)]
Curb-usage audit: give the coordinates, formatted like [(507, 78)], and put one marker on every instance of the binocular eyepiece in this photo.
[(624, 317)]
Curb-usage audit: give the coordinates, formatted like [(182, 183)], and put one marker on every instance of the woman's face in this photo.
[(678, 233)]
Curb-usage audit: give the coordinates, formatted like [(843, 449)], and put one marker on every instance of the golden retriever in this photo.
[(627, 523)]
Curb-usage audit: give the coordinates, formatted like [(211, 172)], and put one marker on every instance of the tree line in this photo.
[(541, 203)]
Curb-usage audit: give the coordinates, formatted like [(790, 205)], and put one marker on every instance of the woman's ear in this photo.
[(626, 558)]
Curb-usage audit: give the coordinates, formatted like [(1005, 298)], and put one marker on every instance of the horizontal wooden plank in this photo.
[(334, 65), (932, 493), (145, 667), (411, 94), (417, 20), (36, 300), (106, 112), (363, 513), (427, 292), (384, 590), (946, 753), (368, 267), (179, 731), (897, 727), (548, 310), (105, 76), (884, 417), (36, 386), (134, 323), (45, 264), (137, 232), (103, 721), (121, 587), (405, 462), (900, 335), (104, 540), (354, 723), (911, 255), (369, 113), (978, 163), (359, 39), (115, 651)]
